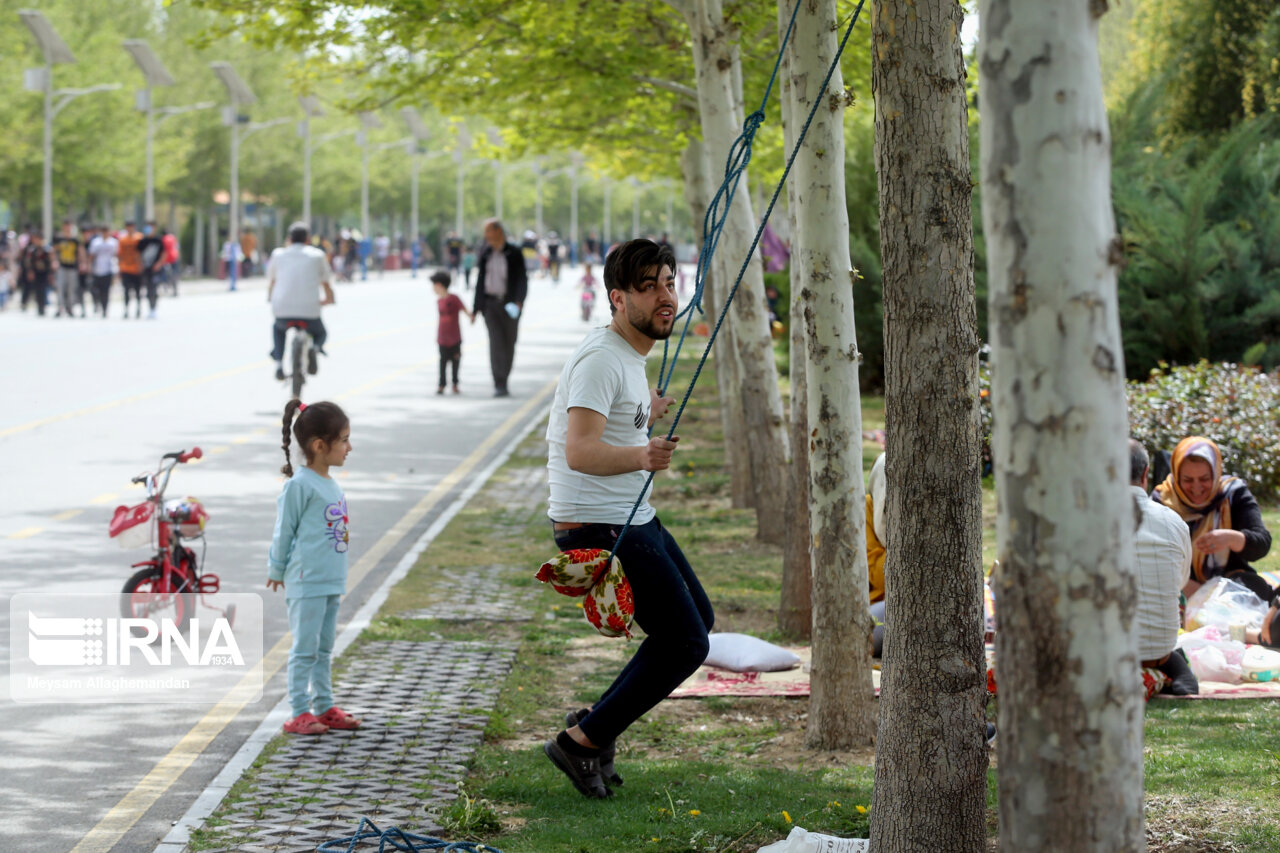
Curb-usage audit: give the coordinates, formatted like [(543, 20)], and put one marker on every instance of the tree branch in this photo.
[(684, 7), (669, 85)]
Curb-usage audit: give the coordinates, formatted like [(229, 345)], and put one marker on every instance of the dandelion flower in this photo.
[(786, 816), (861, 809), (694, 812)]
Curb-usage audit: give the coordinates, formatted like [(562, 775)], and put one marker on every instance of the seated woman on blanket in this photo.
[(1226, 526)]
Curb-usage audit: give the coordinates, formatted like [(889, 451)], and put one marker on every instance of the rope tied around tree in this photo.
[(713, 226)]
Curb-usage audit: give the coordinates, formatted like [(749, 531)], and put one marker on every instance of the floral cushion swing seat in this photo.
[(588, 573)]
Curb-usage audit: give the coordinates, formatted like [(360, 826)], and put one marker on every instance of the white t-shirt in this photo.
[(605, 375), (104, 251), (1162, 564), (298, 272)]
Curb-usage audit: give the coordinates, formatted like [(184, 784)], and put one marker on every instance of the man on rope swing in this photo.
[(598, 454)]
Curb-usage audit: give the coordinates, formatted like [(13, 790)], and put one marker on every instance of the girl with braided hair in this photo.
[(308, 559)]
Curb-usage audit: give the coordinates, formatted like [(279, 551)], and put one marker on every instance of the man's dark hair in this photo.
[(441, 277), (630, 262), (1139, 462), (298, 232)]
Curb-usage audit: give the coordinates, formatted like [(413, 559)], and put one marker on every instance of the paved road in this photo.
[(86, 404)]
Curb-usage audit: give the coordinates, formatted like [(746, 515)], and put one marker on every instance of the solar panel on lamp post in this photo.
[(154, 72), (239, 93), (55, 52)]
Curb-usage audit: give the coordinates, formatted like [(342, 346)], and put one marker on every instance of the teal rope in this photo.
[(739, 153), (398, 839)]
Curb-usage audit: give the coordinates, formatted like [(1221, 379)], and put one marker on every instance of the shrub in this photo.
[(1233, 405)]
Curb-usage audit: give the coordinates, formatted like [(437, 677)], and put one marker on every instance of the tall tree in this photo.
[(718, 70), (842, 699), (1070, 746), (931, 761)]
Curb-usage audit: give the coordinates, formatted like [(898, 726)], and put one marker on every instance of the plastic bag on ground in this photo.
[(802, 841), (1224, 603), (1213, 655)]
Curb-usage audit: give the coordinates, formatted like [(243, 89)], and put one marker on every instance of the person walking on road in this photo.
[(296, 275), (151, 259), (34, 266), (449, 329), (68, 252), (102, 254), (598, 453), (131, 267), (308, 560), (501, 286), (172, 253)]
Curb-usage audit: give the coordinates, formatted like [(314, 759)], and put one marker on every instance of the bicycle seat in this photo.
[(296, 324)]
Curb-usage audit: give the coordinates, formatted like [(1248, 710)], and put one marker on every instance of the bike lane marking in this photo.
[(182, 386), (130, 809)]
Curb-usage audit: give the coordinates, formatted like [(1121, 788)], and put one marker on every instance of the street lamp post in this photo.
[(239, 94), (368, 121), (310, 109), (606, 237), (419, 133), (576, 160), (635, 208), (537, 216), (154, 72), (55, 52), (460, 157)]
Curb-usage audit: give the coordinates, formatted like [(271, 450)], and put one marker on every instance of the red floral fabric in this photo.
[(608, 604)]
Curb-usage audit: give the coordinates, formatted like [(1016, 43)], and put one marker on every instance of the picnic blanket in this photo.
[(713, 681)]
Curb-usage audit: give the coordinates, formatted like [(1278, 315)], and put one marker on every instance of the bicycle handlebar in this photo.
[(195, 453)]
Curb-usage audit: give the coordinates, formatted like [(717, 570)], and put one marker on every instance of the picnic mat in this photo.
[(713, 681)]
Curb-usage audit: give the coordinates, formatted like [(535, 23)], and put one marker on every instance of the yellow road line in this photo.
[(124, 814), (182, 386), (104, 498), (383, 380), (67, 515), (25, 533)]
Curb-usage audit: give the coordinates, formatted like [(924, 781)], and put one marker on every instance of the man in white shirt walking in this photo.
[(296, 275), (1162, 564)]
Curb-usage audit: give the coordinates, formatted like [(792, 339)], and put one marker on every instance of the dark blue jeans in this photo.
[(672, 609), (314, 326)]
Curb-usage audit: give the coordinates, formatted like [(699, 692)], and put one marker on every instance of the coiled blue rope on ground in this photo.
[(713, 225), (397, 839)]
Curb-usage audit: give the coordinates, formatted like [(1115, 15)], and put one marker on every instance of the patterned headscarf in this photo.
[(1212, 514)]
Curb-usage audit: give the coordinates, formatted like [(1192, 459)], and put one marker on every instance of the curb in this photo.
[(209, 799)]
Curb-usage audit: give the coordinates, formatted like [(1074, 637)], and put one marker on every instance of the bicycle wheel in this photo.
[(297, 359), (152, 596)]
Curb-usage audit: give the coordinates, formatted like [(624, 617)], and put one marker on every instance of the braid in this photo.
[(290, 409)]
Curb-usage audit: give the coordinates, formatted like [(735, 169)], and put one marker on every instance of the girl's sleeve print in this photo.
[(335, 519)]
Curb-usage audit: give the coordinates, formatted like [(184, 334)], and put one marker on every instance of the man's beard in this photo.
[(647, 325)]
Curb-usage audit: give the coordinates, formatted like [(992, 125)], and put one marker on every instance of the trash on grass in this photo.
[(803, 841)]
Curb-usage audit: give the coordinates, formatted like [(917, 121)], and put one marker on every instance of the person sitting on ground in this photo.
[(1162, 565), (1224, 520)]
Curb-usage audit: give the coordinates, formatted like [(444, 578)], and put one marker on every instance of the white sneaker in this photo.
[(151, 315)]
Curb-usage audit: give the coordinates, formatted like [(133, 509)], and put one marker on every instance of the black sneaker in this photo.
[(991, 735), (313, 364), (583, 772), (607, 752), (280, 377)]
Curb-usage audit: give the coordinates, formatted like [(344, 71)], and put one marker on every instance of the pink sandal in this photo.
[(336, 718), (305, 724)]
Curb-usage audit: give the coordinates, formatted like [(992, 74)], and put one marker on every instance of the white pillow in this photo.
[(744, 653)]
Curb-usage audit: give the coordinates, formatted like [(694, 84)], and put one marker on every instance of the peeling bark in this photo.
[(714, 62), (1071, 709), (841, 701)]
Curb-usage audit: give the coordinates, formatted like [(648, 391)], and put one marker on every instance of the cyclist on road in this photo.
[(296, 274)]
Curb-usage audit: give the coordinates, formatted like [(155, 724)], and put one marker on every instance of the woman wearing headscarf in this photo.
[(1224, 519)]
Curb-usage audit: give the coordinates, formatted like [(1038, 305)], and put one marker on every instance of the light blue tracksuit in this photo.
[(309, 553)]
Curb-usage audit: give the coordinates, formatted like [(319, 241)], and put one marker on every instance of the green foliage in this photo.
[(1234, 406), (1202, 239)]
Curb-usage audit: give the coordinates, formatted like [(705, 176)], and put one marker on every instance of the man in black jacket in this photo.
[(501, 286)]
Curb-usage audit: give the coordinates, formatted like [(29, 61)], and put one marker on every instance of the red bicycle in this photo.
[(165, 586)]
